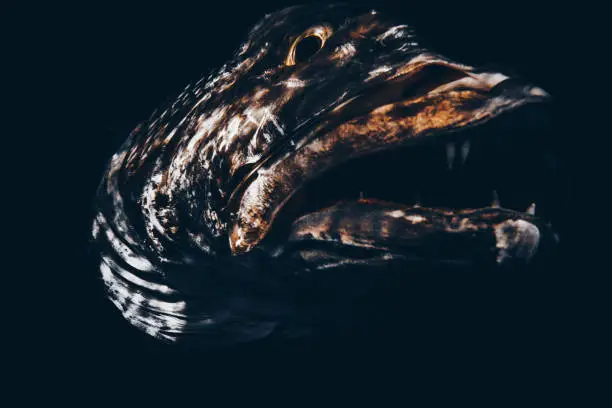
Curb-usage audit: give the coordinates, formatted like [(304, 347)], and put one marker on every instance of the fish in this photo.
[(331, 142)]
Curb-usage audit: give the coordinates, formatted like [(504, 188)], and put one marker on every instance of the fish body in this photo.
[(210, 225)]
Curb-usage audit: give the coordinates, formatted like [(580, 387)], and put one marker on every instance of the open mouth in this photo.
[(473, 199), (486, 194), (465, 175)]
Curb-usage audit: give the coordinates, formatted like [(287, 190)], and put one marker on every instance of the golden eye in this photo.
[(307, 44)]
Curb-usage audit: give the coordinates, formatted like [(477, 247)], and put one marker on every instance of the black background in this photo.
[(96, 70)]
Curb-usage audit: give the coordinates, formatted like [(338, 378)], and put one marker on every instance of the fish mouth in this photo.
[(435, 164), (471, 200)]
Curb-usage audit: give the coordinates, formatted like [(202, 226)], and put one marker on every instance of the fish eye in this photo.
[(307, 48), (308, 44)]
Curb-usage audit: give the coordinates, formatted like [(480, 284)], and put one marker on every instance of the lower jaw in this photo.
[(369, 232)]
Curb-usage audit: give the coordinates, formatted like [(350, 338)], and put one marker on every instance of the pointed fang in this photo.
[(465, 151), (450, 155), (495, 202), (531, 209)]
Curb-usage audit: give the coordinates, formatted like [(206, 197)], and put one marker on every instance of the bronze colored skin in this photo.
[(189, 199)]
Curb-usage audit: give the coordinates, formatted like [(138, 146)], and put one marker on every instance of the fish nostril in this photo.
[(275, 77)]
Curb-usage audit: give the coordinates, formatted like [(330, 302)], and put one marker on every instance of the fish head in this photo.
[(346, 88), (332, 140)]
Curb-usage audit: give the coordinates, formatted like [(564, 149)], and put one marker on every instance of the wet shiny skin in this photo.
[(189, 199)]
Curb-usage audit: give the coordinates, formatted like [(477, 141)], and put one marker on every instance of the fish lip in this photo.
[(489, 85)]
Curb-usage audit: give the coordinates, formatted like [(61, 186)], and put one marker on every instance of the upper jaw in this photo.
[(430, 96), (427, 76)]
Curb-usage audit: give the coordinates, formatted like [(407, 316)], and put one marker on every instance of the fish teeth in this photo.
[(451, 151), (465, 151), (531, 209), (417, 200), (495, 202)]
